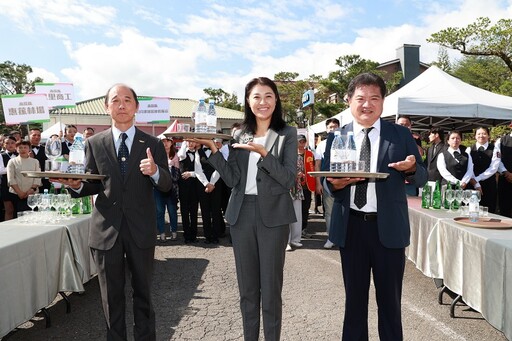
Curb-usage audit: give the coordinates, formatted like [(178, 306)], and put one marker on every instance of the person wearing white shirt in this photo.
[(9, 199), (454, 164), (188, 188), (210, 199), (486, 160)]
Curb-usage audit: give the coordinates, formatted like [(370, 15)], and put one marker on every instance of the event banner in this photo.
[(25, 108), (153, 110), (60, 95)]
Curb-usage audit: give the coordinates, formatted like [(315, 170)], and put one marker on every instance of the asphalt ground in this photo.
[(195, 295)]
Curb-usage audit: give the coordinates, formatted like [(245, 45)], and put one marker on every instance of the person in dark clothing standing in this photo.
[(37, 152), (210, 198), (188, 185), (436, 138), (504, 148)]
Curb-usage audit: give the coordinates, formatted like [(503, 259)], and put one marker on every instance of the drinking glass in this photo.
[(62, 198), (53, 148), (54, 202), (450, 197), (32, 201), (68, 204), (478, 195), (466, 196), (459, 195)]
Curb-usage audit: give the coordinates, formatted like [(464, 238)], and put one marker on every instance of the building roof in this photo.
[(179, 108)]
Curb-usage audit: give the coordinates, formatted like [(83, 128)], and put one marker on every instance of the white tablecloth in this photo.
[(475, 263), (78, 231), (36, 263)]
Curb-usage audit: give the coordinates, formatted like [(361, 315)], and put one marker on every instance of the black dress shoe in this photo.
[(207, 241)]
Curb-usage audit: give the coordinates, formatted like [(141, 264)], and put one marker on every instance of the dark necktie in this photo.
[(481, 149), (361, 187), (457, 155), (123, 154)]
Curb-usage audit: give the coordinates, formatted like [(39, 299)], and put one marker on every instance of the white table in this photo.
[(36, 263), (473, 262)]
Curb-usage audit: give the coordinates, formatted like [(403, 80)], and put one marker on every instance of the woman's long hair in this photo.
[(276, 122)]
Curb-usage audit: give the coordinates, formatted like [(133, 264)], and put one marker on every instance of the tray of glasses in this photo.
[(62, 175), (367, 175), (485, 223), (191, 135)]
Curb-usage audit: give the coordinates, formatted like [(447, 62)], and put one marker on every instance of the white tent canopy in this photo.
[(435, 98), (54, 129)]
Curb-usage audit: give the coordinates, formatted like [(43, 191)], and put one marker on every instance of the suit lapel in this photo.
[(108, 142), (271, 139), (384, 145), (138, 147)]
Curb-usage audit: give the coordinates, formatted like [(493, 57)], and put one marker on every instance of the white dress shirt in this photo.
[(371, 194)]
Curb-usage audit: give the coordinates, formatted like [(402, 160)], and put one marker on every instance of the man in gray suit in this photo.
[(124, 220), (370, 220)]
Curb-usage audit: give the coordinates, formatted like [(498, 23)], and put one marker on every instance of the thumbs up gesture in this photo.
[(147, 165)]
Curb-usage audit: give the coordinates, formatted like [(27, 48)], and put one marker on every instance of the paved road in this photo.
[(196, 298)]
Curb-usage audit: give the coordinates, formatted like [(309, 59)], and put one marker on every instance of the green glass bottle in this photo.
[(86, 205), (426, 196), (52, 189), (77, 207), (436, 196)]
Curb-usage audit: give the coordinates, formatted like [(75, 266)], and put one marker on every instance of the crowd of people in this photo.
[(259, 183), (26, 153), (484, 166)]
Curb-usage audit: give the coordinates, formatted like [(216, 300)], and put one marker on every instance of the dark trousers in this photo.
[(211, 213), (111, 277), (259, 259), (363, 255), (188, 206), (489, 193), (306, 204), (505, 197)]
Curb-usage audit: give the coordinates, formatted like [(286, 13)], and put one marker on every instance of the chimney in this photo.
[(409, 56)]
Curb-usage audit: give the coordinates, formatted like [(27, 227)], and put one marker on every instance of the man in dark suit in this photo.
[(37, 152), (370, 220), (124, 219)]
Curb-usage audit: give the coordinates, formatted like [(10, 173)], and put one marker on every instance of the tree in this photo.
[(479, 39), (443, 60), (290, 91), (487, 73), (223, 99), (350, 66), (14, 80)]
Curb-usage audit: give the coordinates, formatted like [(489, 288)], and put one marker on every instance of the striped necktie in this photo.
[(361, 187)]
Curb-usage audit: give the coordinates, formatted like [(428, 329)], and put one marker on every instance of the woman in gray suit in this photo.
[(261, 170)]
